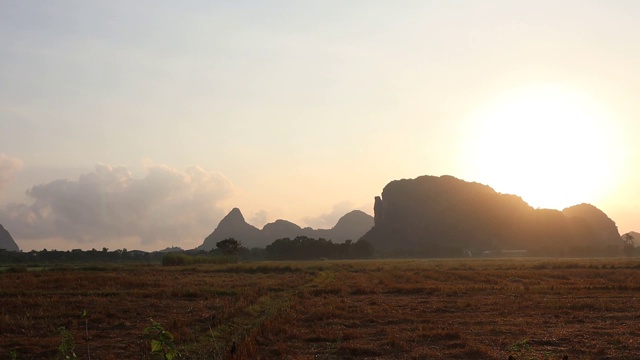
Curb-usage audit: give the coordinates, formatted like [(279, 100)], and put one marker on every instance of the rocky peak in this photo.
[(233, 226), (234, 216)]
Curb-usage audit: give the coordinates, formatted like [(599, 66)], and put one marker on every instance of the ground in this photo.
[(377, 309)]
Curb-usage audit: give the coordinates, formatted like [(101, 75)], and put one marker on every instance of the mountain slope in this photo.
[(6, 241)]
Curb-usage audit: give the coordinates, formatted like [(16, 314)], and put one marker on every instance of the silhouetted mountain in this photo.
[(603, 231), (445, 211), (281, 229), (6, 241), (350, 227), (171, 249), (233, 226)]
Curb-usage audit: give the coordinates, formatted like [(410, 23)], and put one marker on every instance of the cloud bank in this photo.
[(8, 168), (166, 206)]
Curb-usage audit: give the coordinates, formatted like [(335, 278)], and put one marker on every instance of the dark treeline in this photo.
[(188, 257), (305, 248), (299, 248), (79, 256), (228, 250)]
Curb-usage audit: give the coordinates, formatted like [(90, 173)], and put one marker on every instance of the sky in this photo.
[(141, 124)]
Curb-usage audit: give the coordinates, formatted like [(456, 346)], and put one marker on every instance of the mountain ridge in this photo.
[(350, 226)]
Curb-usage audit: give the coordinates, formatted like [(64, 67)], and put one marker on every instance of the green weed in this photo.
[(522, 345), (66, 347), (162, 345)]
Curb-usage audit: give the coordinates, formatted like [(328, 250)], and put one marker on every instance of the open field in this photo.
[(379, 309)]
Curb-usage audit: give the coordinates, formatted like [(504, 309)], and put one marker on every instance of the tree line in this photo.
[(227, 250), (305, 248), (78, 255)]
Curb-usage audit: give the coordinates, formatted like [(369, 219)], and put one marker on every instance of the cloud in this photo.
[(8, 168), (329, 220), (259, 219), (164, 206)]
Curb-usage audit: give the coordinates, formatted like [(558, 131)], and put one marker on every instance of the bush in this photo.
[(179, 259)]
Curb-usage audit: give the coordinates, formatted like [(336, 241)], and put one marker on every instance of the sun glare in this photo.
[(552, 146)]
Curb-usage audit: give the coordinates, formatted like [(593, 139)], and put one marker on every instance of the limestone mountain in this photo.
[(349, 227), (281, 229), (600, 229), (233, 226), (6, 241), (428, 211)]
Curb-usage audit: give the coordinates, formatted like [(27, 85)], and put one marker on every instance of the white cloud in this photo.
[(259, 219), (329, 220), (8, 168), (166, 206)]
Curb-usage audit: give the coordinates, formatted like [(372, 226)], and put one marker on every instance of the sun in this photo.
[(553, 146)]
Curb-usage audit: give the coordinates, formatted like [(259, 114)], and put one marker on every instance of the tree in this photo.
[(362, 249), (305, 248), (229, 246), (629, 244)]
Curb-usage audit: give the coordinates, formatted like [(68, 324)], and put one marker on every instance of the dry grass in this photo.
[(414, 309)]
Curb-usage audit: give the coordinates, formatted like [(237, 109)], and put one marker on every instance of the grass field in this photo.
[(379, 309)]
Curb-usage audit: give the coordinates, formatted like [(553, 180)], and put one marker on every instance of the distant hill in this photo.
[(349, 227), (595, 227), (171, 249), (6, 241), (446, 211)]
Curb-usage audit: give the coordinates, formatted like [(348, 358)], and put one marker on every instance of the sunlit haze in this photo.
[(552, 146), (141, 124)]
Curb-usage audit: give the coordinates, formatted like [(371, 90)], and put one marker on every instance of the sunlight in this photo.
[(550, 145)]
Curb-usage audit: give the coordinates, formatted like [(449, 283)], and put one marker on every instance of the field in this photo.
[(378, 309)]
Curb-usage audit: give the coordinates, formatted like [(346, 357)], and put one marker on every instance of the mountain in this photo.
[(603, 231), (170, 249), (429, 211), (281, 229), (349, 227), (233, 226), (6, 241)]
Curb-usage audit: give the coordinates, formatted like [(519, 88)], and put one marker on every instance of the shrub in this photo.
[(179, 259), (161, 342)]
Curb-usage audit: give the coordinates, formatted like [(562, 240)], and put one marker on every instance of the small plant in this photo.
[(86, 331), (13, 355), (66, 347), (522, 345), (161, 342)]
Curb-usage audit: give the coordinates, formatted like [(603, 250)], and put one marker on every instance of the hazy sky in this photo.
[(139, 124)]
